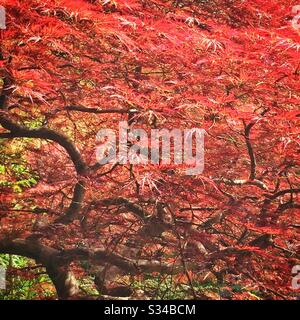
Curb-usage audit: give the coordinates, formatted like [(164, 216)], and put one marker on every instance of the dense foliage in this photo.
[(69, 68)]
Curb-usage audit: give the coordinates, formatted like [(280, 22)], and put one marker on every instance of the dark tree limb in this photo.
[(63, 280), (18, 131), (270, 198), (250, 150), (129, 205), (75, 206), (251, 153), (198, 209), (95, 110)]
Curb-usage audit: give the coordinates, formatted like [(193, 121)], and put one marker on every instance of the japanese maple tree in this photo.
[(69, 68)]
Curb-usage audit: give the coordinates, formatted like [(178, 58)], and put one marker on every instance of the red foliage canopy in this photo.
[(70, 68)]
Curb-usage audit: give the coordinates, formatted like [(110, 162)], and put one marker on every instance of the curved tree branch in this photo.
[(270, 198), (251, 153), (95, 110), (63, 280), (129, 205), (76, 204), (18, 131), (250, 150)]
